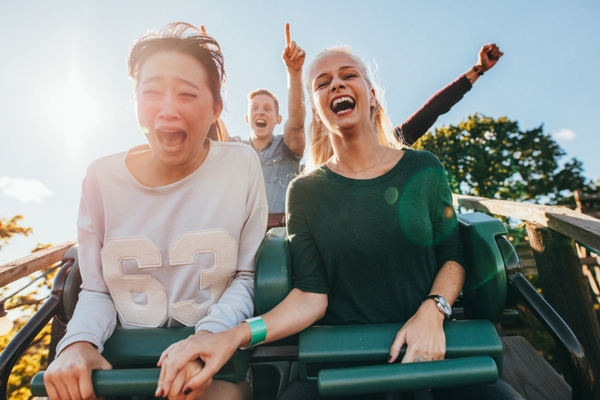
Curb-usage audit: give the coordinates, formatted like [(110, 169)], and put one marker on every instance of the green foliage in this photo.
[(493, 158), (10, 227)]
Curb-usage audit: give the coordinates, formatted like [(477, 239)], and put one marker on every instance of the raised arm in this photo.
[(293, 132), (441, 102)]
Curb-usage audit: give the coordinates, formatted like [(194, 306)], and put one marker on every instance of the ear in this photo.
[(316, 115), (247, 119), (373, 100), (217, 109), (279, 119)]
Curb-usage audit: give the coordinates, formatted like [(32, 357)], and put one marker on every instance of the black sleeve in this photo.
[(308, 270), (440, 103)]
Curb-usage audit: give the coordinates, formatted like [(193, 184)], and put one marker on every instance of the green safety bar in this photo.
[(407, 377), (352, 359), (133, 353)]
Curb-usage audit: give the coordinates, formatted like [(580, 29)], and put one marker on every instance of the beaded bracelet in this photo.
[(258, 329)]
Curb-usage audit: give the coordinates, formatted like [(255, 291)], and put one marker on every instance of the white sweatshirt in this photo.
[(176, 255)]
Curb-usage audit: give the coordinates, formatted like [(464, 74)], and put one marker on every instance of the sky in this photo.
[(65, 99)]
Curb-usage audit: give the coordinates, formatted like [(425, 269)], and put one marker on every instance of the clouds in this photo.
[(31, 191), (564, 135)]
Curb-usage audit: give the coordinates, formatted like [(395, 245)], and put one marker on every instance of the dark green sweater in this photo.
[(374, 246)]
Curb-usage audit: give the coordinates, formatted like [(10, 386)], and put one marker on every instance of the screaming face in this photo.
[(342, 96), (262, 116), (175, 107), (343, 105)]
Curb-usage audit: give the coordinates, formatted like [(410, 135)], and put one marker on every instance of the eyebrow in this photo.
[(339, 69), (160, 77)]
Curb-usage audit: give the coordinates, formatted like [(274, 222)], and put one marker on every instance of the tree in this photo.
[(35, 357), (10, 227), (493, 158)]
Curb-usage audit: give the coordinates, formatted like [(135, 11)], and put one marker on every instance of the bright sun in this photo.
[(74, 112)]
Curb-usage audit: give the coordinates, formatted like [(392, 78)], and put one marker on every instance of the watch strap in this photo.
[(259, 330)]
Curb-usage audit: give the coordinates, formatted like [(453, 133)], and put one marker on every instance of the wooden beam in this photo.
[(17, 269), (565, 288), (529, 374), (582, 228)]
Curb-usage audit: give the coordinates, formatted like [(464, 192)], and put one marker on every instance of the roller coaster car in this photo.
[(345, 360)]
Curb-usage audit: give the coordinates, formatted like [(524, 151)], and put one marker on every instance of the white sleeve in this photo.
[(236, 303), (95, 316)]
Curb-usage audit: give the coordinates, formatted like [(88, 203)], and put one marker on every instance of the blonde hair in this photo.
[(320, 148)]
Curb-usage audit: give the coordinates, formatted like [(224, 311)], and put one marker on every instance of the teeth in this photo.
[(341, 99), (169, 131), (261, 121)]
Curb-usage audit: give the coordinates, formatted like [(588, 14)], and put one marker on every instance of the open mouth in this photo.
[(261, 123), (171, 140), (343, 105)]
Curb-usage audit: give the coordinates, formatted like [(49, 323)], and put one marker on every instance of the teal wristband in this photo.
[(259, 330)]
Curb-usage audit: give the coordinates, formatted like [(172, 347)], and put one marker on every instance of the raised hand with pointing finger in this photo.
[(293, 56), (293, 132)]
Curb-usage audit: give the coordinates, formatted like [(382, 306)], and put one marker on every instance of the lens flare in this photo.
[(391, 195)]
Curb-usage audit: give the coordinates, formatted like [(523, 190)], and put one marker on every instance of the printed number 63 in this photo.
[(182, 252)]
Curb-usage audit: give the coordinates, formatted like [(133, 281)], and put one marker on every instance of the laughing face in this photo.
[(342, 97), (175, 107), (262, 116)]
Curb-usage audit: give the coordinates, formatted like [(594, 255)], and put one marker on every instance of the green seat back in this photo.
[(72, 284), (485, 288), (273, 274)]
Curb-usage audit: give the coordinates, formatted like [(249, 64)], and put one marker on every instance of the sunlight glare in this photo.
[(74, 112)]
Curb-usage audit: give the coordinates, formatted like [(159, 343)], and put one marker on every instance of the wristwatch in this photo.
[(442, 304)]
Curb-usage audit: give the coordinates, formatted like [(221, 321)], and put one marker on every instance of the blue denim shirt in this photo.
[(279, 166)]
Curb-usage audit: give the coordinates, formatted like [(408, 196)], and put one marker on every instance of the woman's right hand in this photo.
[(423, 335), (70, 375)]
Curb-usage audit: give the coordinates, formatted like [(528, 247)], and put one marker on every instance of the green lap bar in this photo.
[(405, 377), (130, 382), (133, 353), (352, 359)]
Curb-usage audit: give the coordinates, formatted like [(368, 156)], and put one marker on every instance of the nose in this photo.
[(337, 85), (168, 108)]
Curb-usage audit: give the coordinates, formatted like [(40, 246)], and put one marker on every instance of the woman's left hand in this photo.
[(174, 363), (213, 349), (423, 335), (190, 370)]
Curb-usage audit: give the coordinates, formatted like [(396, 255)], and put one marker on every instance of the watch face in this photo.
[(445, 306)]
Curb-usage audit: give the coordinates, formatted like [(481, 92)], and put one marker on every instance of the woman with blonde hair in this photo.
[(372, 231)]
